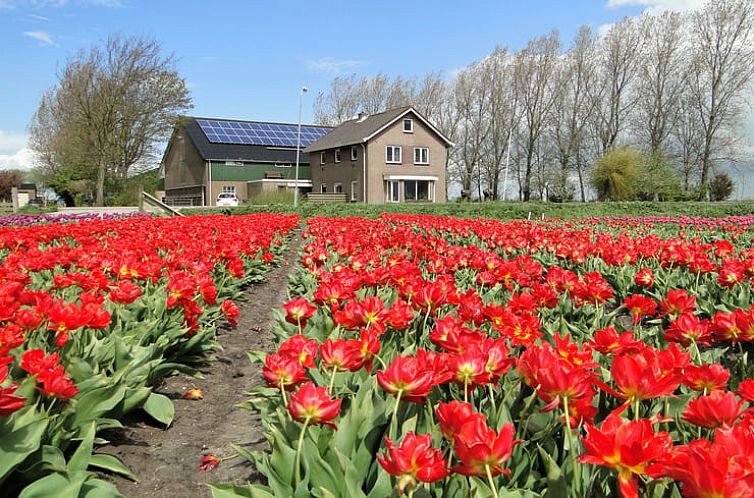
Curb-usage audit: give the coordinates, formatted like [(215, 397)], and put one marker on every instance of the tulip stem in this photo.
[(744, 372), (492, 399), (298, 451), (465, 390), (571, 449), (282, 392), (697, 353), (332, 378), (490, 481), (393, 421)]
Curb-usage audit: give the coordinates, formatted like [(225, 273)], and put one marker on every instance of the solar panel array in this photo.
[(251, 133)]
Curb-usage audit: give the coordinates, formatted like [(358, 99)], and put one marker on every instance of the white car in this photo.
[(227, 199)]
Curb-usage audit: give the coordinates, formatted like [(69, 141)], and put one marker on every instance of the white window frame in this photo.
[(322, 188), (354, 153), (393, 149), (393, 191), (337, 155), (228, 189), (418, 150), (410, 123), (337, 186), (354, 191), (322, 157)]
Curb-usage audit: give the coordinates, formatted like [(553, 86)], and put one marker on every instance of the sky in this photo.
[(248, 59)]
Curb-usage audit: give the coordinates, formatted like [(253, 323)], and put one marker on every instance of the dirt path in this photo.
[(167, 461)]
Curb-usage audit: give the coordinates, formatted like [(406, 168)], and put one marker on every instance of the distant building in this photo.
[(394, 156), (208, 156)]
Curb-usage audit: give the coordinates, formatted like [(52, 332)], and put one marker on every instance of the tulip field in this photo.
[(421, 356), (93, 313), (453, 358)]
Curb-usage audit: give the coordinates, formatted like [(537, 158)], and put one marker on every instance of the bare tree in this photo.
[(502, 118), (573, 110), (660, 80), (339, 104), (110, 108), (619, 51), (722, 68), (535, 66), (471, 101)]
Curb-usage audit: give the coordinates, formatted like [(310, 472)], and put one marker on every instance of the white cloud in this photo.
[(12, 141), (22, 159), (43, 37), (331, 65), (658, 5)]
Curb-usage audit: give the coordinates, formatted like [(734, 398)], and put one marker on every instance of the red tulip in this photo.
[(406, 378), (312, 405), (283, 371), (688, 329), (415, 460), (645, 278), (298, 311), (341, 355), (209, 462), (9, 402), (707, 377), (451, 416), (678, 302), (723, 468), (301, 348), (230, 311), (607, 342), (718, 409), (746, 390), (57, 384), (627, 446), (640, 306), (480, 448)]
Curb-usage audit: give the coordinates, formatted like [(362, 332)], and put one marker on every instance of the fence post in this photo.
[(14, 199)]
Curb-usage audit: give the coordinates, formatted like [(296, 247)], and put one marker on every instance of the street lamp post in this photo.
[(298, 144)]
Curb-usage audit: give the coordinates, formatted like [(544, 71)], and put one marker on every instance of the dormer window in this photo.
[(408, 125)]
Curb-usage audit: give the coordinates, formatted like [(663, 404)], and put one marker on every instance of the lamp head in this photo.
[(304, 89)]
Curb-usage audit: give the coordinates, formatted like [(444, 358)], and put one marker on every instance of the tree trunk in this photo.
[(100, 196)]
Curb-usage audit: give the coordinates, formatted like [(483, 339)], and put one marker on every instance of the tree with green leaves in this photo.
[(720, 186), (616, 173), (110, 108)]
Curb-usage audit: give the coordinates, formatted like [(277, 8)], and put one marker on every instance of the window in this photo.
[(393, 154), (229, 189), (421, 155), (416, 190), (321, 158), (323, 188), (354, 191), (337, 155), (394, 191), (338, 188), (354, 153), (408, 125)]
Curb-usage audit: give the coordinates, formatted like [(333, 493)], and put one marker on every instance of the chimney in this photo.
[(362, 116)]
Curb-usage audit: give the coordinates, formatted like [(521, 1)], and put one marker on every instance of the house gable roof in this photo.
[(210, 151), (358, 131)]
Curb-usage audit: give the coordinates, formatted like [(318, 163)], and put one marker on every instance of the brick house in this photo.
[(394, 156), (208, 156)]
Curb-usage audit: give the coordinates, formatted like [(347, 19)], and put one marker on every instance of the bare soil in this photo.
[(166, 462)]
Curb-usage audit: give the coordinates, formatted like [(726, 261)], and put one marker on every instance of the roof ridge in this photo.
[(253, 121)]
